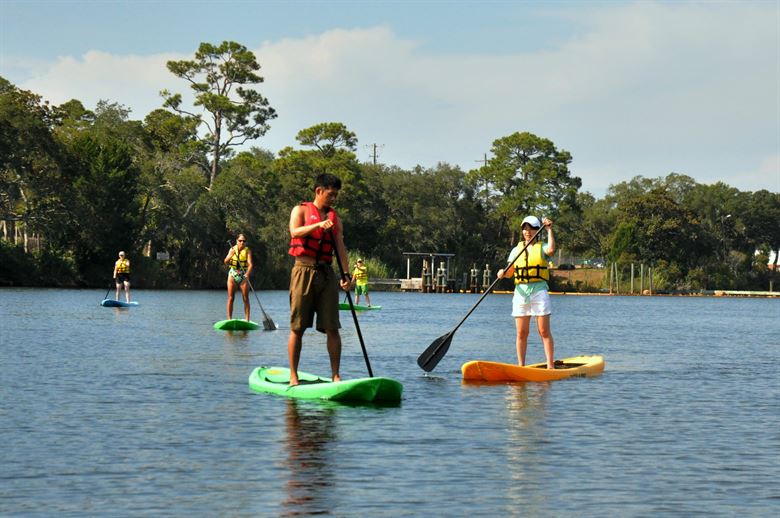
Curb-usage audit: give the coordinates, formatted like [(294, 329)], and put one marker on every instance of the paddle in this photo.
[(109, 289), (352, 309), (268, 324), (438, 348)]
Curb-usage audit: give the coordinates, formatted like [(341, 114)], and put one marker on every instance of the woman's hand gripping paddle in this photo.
[(438, 348)]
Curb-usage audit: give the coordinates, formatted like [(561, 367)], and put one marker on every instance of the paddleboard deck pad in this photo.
[(236, 324), (111, 303), (275, 380), (358, 307), (578, 366)]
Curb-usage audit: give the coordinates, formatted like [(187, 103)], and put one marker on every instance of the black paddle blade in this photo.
[(434, 353), (268, 324)]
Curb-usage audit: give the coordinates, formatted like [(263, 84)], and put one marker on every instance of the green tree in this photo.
[(102, 153), (170, 183), (245, 197), (586, 227), (428, 210), (232, 113), (661, 230), (105, 183), (30, 158), (527, 175), (328, 138), (759, 212)]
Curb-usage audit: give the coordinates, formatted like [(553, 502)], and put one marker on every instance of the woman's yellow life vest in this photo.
[(361, 275), (531, 265), (123, 266), (240, 260)]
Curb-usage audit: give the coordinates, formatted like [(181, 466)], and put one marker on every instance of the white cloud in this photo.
[(134, 81), (646, 88), (766, 175)]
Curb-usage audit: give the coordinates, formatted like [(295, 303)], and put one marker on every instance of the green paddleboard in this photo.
[(275, 380), (236, 324), (358, 307)]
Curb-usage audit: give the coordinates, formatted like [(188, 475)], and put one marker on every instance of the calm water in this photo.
[(147, 411)]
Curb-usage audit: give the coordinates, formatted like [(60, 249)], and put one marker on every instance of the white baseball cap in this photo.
[(531, 220)]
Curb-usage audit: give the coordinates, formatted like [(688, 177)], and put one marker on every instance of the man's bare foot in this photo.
[(336, 378), (293, 380)]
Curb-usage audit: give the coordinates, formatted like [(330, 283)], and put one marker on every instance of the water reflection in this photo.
[(235, 337), (120, 314), (528, 468), (525, 405), (310, 458)]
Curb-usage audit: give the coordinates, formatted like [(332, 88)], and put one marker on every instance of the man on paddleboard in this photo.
[(122, 275), (316, 235), (239, 258), (530, 269)]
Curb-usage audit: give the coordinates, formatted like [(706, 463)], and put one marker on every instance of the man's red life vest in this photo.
[(318, 244)]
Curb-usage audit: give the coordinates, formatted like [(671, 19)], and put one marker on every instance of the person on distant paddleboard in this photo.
[(316, 235), (122, 275), (530, 270), (360, 278), (239, 258)]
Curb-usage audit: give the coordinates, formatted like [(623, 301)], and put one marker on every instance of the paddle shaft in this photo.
[(355, 319), (267, 322), (351, 305)]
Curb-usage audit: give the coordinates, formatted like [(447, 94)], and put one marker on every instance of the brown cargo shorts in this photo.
[(314, 289)]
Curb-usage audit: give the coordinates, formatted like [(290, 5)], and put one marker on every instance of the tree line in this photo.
[(181, 181)]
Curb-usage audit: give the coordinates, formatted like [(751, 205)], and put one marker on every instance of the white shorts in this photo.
[(538, 305)]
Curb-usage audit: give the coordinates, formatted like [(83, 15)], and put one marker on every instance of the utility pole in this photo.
[(484, 164), (374, 153)]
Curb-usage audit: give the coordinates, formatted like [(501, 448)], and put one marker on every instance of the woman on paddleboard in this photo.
[(239, 258), (530, 269), (122, 275)]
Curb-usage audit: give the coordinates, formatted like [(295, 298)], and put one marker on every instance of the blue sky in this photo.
[(629, 88)]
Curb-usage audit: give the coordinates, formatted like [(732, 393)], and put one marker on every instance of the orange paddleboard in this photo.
[(570, 367)]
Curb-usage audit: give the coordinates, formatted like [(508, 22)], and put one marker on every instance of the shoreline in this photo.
[(705, 293)]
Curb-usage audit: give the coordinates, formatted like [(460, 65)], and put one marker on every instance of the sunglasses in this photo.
[(242, 240)]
